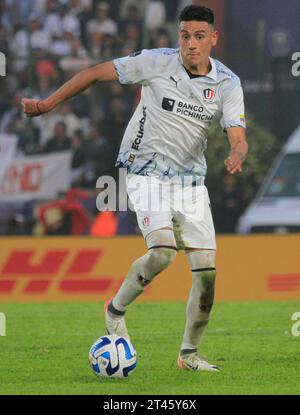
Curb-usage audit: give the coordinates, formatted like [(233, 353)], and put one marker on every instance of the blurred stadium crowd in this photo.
[(46, 42)]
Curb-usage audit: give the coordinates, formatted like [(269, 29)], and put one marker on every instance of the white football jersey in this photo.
[(167, 134)]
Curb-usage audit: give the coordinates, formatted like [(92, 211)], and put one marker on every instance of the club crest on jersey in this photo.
[(209, 94)]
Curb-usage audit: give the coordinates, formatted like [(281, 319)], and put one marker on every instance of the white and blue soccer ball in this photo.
[(112, 356)]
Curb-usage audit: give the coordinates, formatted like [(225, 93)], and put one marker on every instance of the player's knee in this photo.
[(161, 258), (151, 264), (201, 259)]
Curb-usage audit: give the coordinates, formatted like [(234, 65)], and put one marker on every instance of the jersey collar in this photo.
[(213, 72)]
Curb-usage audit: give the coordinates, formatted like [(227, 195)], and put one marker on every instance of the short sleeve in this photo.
[(233, 111), (135, 68)]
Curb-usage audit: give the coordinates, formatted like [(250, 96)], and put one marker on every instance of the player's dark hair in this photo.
[(198, 13)]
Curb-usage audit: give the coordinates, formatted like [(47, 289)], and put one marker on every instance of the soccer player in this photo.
[(183, 91)]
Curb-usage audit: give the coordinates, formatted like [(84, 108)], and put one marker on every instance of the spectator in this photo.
[(65, 216), (103, 24), (133, 37), (45, 67), (4, 47), (44, 40), (141, 5), (78, 158), (71, 120), (7, 20), (44, 87), (97, 152), (109, 46), (60, 141), (29, 136), (12, 112), (162, 40), (77, 49), (228, 206), (132, 17), (77, 7), (62, 45), (18, 12), (26, 39), (61, 21), (155, 15), (46, 124), (95, 43), (115, 122), (159, 37)]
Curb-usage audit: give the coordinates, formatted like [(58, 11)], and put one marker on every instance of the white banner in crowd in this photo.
[(8, 145), (36, 177)]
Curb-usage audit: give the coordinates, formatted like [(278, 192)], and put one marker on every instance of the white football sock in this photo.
[(200, 299), (162, 251)]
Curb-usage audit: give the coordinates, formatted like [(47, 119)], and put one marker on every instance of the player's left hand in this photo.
[(234, 163)]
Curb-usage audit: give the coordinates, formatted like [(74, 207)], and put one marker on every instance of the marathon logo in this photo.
[(140, 134), (208, 94)]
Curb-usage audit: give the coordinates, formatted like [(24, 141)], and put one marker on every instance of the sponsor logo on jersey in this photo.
[(168, 104), (188, 110), (208, 94), (140, 134), (146, 222), (193, 111), (131, 157)]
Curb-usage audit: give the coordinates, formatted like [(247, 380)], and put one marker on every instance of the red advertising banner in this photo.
[(249, 268)]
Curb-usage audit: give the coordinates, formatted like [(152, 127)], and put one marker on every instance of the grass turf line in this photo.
[(46, 346)]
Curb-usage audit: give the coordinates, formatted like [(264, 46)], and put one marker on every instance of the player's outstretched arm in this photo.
[(238, 151), (103, 72)]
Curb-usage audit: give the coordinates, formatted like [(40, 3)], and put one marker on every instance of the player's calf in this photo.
[(200, 300), (161, 253)]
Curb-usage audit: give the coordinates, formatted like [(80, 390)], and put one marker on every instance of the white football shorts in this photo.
[(183, 207)]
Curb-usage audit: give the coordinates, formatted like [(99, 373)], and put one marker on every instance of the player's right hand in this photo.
[(233, 164), (33, 107)]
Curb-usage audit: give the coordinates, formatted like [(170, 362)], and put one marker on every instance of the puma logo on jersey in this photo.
[(174, 80)]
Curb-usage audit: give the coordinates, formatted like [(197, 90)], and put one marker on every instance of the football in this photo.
[(112, 356)]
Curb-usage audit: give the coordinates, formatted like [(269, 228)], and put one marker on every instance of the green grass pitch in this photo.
[(46, 346)]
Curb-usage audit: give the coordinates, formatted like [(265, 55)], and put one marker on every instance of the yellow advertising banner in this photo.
[(249, 268)]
